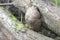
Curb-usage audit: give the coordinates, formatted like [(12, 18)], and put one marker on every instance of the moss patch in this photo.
[(57, 2)]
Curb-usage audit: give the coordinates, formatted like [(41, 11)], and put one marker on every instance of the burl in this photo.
[(33, 18)]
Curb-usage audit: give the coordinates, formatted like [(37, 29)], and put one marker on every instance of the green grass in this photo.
[(57, 2)]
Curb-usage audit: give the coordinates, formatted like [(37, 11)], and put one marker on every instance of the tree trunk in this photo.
[(7, 26), (50, 14)]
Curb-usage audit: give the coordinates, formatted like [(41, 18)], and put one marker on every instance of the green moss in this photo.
[(20, 25), (12, 16), (57, 2), (15, 29)]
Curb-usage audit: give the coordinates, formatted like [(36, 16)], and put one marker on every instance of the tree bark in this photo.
[(50, 14), (7, 26)]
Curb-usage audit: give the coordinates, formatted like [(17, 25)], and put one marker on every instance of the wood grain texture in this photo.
[(7, 26), (51, 14)]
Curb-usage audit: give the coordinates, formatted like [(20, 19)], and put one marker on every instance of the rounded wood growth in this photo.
[(32, 18)]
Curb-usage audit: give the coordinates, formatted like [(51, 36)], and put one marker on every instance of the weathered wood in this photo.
[(7, 26), (2, 36), (6, 33), (51, 14)]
